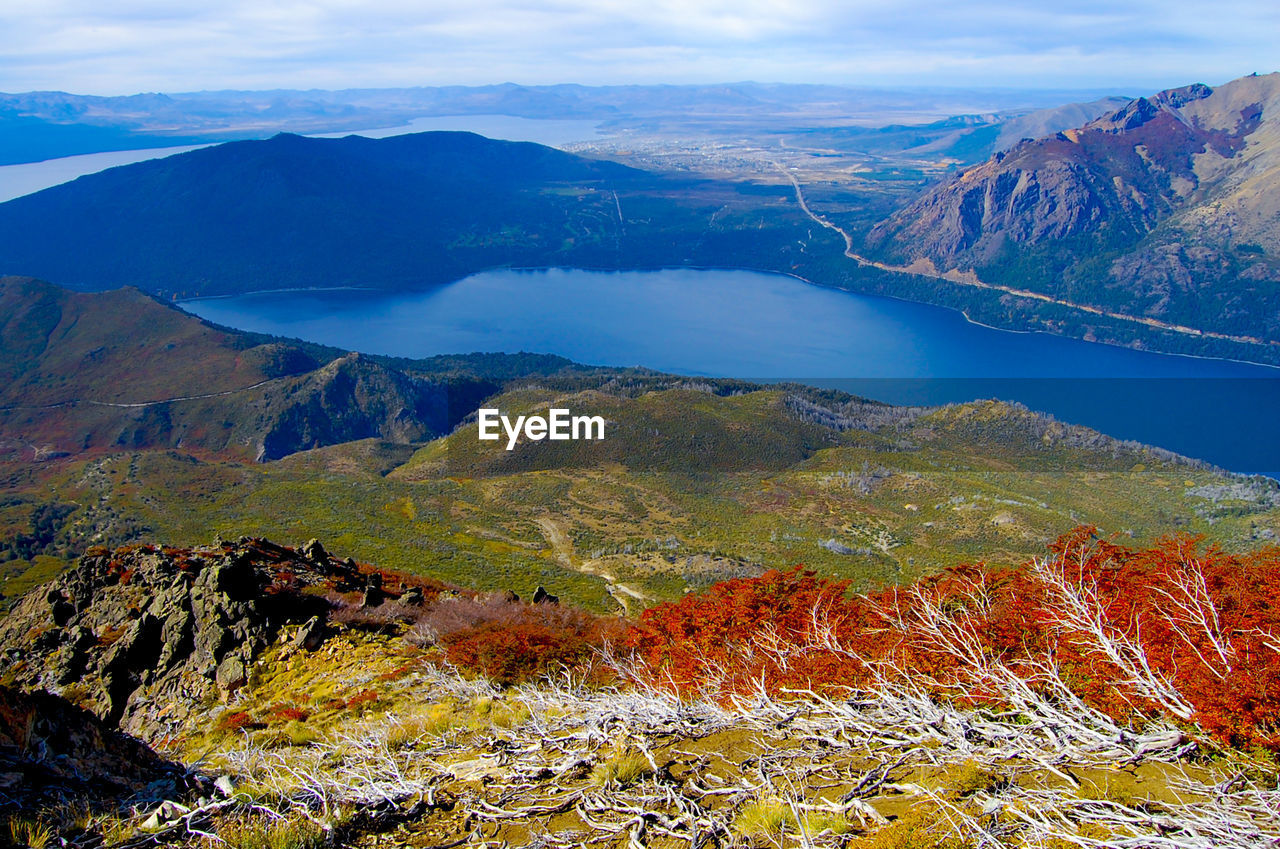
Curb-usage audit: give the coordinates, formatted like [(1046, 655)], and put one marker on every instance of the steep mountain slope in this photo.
[(120, 370), (1167, 209), (403, 211)]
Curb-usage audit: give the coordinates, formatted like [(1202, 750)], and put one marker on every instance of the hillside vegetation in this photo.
[(1096, 697), (124, 420)]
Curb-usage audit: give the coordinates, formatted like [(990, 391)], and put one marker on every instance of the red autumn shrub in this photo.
[(287, 713), (512, 652), (237, 721), (742, 631), (529, 641), (364, 697), (1175, 629)]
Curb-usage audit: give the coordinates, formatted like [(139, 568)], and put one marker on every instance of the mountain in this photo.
[(124, 419), (403, 211), (84, 372), (1164, 211), (962, 138)]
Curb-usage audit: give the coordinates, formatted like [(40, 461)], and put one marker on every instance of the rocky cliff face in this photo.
[(351, 398), (52, 751), (142, 636), (1168, 208)]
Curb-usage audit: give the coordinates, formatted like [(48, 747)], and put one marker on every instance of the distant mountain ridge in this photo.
[(1166, 209), (39, 125), (405, 211)]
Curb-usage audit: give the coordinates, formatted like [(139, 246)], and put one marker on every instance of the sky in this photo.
[(128, 46)]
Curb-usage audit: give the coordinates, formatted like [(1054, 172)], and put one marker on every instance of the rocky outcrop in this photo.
[(143, 636), (51, 751), (351, 398), (1127, 170)]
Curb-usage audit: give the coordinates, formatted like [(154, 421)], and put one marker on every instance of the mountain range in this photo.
[(1153, 224), (1163, 211), (124, 419), (41, 125)]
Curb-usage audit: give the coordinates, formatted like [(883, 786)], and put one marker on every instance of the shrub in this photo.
[(511, 641), (742, 631), (512, 652), (240, 720), (621, 769), (763, 818), (364, 697), (1175, 629), (257, 833), (287, 713)]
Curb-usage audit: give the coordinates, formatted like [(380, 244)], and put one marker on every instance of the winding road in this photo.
[(924, 268)]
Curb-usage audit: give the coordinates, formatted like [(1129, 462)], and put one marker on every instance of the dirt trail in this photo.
[(562, 547), (74, 401)]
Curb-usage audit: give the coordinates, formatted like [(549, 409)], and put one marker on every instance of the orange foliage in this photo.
[(529, 641), (742, 631), (287, 713), (1178, 629), (237, 721), (364, 697)]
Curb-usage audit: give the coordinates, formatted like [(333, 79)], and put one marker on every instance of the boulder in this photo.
[(142, 636), (311, 635), (314, 551)]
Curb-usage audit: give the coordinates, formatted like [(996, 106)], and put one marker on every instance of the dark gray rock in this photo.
[(311, 635), (143, 637), (314, 551)]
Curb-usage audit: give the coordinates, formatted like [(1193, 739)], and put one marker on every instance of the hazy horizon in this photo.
[(152, 46)]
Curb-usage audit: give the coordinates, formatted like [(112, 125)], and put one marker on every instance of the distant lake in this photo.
[(772, 327), (28, 177)]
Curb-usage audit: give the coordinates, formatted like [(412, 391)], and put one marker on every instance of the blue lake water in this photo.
[(772, 327)]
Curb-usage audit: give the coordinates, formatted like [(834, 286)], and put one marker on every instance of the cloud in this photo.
[(139, 45)]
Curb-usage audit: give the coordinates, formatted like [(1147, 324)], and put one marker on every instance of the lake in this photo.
[(773, 327)]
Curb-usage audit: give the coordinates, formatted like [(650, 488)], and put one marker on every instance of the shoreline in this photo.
[(180, 301)]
